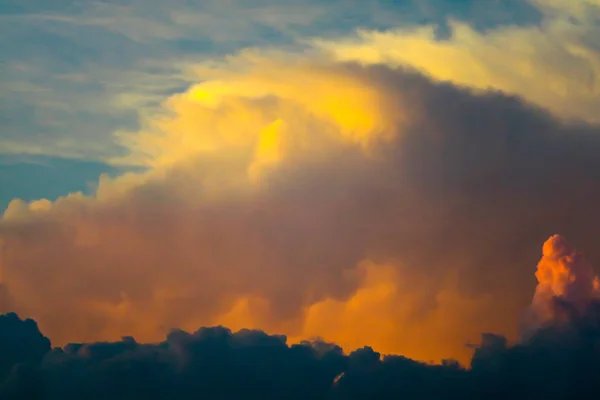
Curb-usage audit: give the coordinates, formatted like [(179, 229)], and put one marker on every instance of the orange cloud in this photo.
[(367, 205), (563, 273), (382, 314)]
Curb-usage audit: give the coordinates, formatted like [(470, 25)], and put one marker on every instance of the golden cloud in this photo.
[(365, 204), (235, 109)]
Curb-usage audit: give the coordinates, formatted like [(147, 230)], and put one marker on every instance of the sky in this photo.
[(378, 173)]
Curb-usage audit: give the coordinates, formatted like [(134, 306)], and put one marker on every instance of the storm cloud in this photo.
[(304, 198)]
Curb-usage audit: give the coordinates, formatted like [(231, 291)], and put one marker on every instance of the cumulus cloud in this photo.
[(304, 197), (567, 284)]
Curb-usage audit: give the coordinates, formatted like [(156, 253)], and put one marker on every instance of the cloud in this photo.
[(47, 177), (554, 64), (375, 192), (566, 277), (388, 197), (112, 63), (558, 361), (20, 342), (584, 9)]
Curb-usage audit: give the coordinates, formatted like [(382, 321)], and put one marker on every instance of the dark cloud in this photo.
[(20, 343), (561, 361)]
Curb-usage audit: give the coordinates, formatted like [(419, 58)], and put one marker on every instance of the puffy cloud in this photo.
[(563, 275), (294, 196), (20, 343)]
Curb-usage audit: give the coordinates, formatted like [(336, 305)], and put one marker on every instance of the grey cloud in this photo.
[(561, 361)]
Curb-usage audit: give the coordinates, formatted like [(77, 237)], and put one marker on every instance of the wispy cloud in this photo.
[(76, 72), (555, 65)]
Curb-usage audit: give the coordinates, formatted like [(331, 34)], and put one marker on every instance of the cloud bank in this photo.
[(560, 359), (306, 197)]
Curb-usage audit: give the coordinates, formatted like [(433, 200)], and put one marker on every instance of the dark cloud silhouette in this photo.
[(20, 342), (561, 361), (22, 348)]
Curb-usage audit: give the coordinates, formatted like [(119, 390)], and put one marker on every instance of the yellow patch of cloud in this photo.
[(233, 109), (268, 150)]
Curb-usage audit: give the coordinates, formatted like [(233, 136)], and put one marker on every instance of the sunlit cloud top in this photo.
[(76, 72)]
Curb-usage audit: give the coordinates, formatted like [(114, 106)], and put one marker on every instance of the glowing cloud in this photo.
[(563, 274), (553, 65), (304, 197), (250, 96)]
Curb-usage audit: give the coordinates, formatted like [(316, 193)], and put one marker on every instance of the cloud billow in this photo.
[(387, 192), (378, 195)]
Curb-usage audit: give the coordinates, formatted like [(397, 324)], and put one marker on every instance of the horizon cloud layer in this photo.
[(559, 359)]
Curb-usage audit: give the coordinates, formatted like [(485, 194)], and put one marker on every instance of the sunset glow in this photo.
[(382, 175)]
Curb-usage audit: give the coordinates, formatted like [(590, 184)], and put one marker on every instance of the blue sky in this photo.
[(75, 72)]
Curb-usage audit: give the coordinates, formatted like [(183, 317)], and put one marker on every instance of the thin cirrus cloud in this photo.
[(555, 64)]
